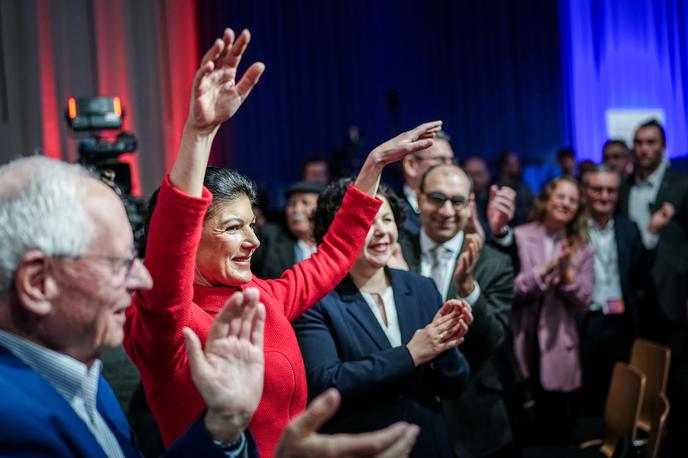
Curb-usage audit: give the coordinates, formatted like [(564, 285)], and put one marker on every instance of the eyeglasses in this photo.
[(118, 264), (437, 199), (435, 159)]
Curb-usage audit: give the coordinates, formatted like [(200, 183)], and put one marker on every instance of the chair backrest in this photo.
[(660, 412), (623, 406), (653, 360)]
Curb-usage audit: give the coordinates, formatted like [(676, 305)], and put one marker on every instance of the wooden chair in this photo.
[(622, 409), (660, 412), (653, 360)]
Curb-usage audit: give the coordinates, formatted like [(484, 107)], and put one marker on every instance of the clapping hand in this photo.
[(501, 206), (661, 217), (446, 330), (301, 439), (229, 372), (463, 274), (215, 94)]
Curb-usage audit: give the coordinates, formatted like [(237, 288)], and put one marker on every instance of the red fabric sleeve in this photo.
[(157, 317), (309, 281)]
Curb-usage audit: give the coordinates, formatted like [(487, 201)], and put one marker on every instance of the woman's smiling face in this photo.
[(227, 244)]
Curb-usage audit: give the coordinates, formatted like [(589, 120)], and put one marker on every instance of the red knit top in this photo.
[(153, 330)]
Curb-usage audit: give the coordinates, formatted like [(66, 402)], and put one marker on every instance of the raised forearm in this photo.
[(189, 167)]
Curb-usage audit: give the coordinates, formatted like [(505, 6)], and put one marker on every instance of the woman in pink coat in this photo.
[(555, 283)]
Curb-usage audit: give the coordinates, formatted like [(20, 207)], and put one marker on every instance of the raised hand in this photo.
[(501, 206), (229, 372), (393, 150), (463, 274), (215, 94), (301, 439), (661, 217)]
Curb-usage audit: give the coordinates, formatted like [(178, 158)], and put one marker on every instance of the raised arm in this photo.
[(394, 150), (215, 97)]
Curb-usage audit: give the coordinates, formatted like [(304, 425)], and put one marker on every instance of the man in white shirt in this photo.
[(621, 273), (461, 267), (656, 198)]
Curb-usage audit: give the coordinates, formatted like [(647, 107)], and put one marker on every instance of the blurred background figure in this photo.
[(554, 284), (479, 172), (655, 197), (566, 159), (414, 166), (316, 169), (615, 154), (621, 272), (283, 245), (510, 173)]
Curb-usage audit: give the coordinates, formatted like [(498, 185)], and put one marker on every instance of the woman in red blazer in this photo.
[(555, 283), (200, 242)]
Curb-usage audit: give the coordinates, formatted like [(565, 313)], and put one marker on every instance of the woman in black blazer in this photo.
[(383, 338)]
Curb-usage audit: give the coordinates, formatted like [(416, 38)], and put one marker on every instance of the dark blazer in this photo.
[(275, 253), (478, 419), (634, 262), (37, 421), (412, 221), (343, 346), (670, 267)]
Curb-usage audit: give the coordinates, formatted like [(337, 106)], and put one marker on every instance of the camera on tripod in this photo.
[(99, 152)]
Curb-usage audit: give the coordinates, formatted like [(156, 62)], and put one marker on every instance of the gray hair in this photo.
[(41, 208), (599, 168)]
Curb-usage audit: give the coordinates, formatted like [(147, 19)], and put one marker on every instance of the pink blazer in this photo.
[(555, 328)]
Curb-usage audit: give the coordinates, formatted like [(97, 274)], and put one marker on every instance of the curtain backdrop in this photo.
[(625, 54), (490, 69)]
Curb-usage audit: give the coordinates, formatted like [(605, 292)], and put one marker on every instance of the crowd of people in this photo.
[(462, 316)]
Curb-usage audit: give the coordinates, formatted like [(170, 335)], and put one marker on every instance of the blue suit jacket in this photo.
[(343, 346), (35, 420)]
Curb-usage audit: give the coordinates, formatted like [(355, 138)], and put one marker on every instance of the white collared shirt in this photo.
[(76, 382), (450, 253), (607, 280), (642, 196), (303, 251), (411, 197), (391, 329)]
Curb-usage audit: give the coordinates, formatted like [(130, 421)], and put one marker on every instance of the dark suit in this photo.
[(478, 420), (605, 340), (412, 221), (344, 346), (670, 267), (276, 252), (37, 421)]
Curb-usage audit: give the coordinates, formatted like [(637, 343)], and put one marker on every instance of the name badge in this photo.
[(615, 306)]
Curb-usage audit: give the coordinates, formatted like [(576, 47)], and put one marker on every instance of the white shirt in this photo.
[(391, 329), (76, 382), (642, 196), (451, 252), (607, 280), (411, 197), (303, 251)]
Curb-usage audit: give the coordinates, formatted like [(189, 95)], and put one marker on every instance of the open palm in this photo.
[(216, 95), (229, 372)]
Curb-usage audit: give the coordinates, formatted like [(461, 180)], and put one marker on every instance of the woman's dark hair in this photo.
[(331, 199), (224, 184), (576, 231)]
